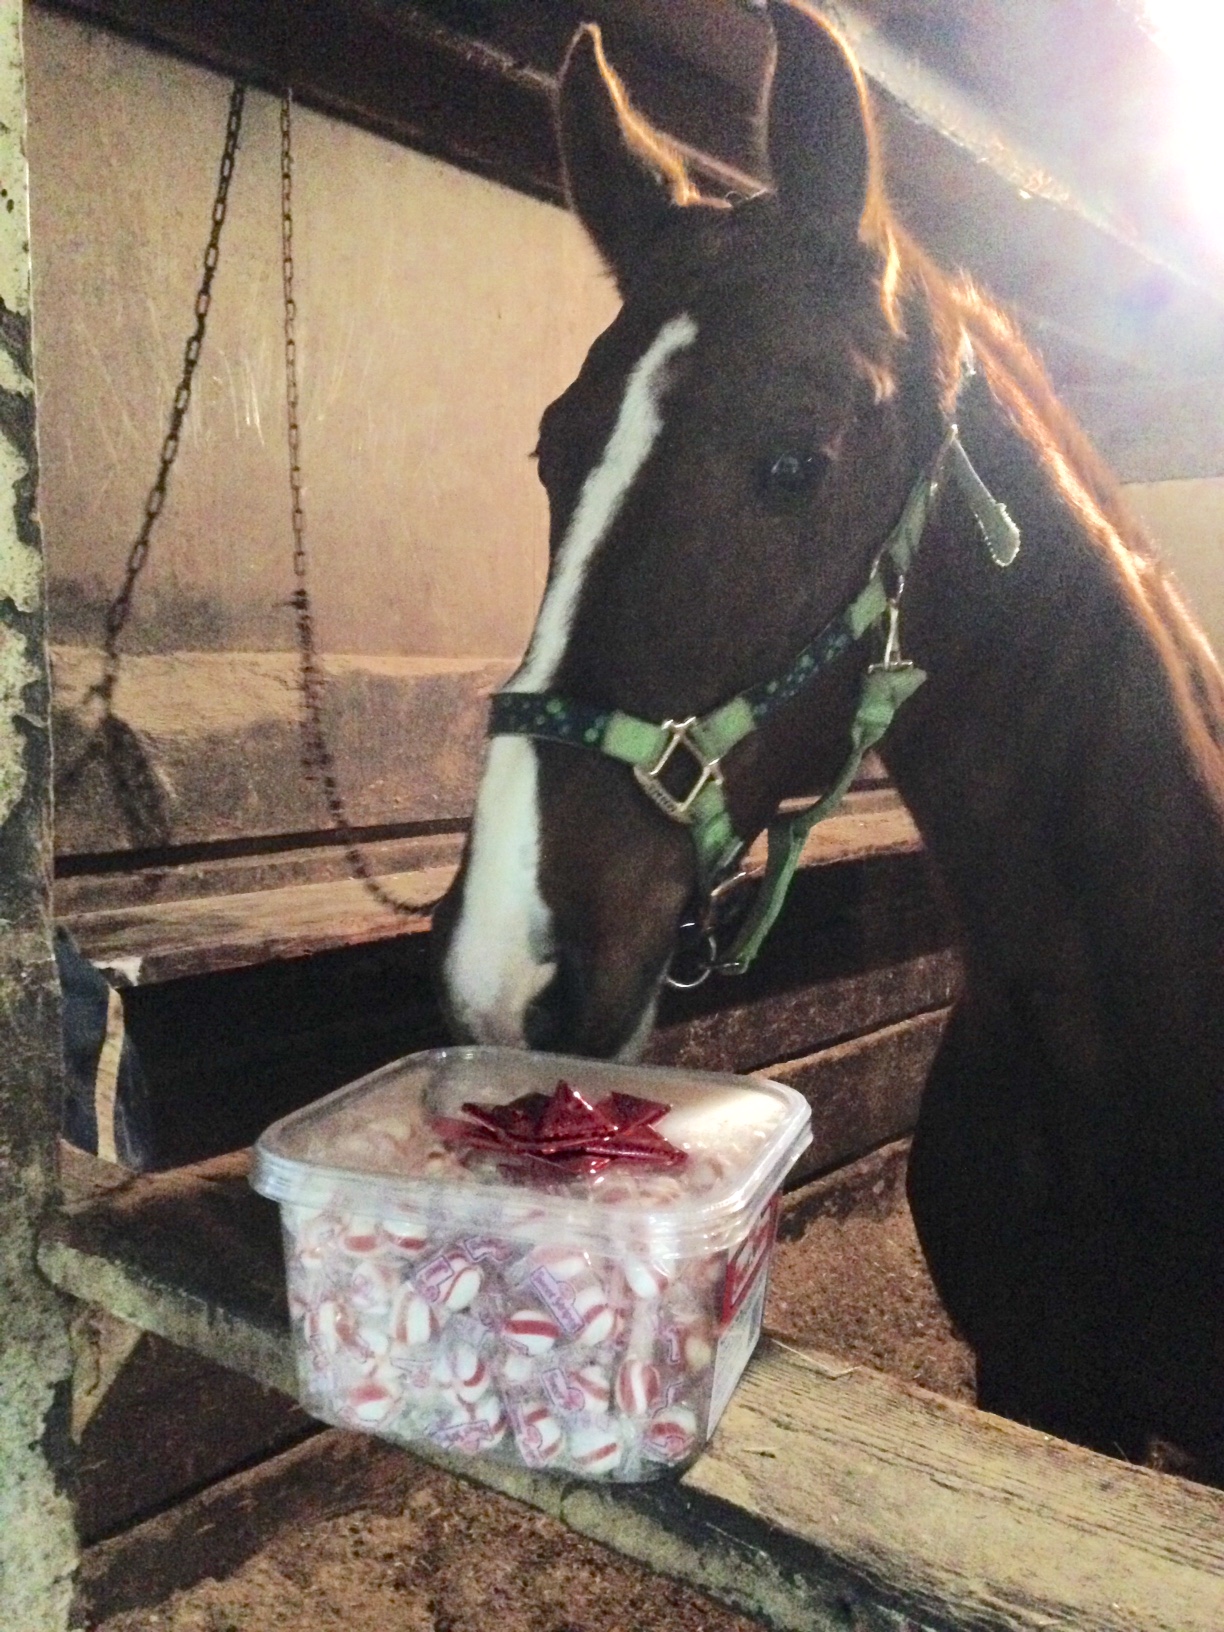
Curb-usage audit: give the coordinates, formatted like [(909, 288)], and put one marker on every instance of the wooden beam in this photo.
[(159, 940), (37, 1539), (864, 1092), (1055, 246), (394, 71), (193, 1255), (830, 1496)]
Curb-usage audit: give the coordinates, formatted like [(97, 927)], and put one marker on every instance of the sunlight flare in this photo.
[(1191, 33)]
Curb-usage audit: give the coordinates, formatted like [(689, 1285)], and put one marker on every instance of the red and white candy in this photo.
[(360, 1237), (537, 1434), (372, 1402), (671, 1434), (639, 1388), (413, 1321), (594, 1450), (406, 1233), (470, 1373), (451, 1280), (644, 1279), (597, 1317), (530, 1332)]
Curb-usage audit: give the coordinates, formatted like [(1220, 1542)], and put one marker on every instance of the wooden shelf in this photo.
[(830, 1495), (165, 940)]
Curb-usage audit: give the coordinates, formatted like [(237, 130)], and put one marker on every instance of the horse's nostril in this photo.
[(552, 1019)]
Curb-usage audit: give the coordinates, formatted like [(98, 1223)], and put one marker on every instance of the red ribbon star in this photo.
[(565, 1131)]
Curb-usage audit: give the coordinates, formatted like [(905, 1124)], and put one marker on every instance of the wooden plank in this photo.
[(831, 1496), (394, 70), (166, 940), (778, 1025), (106, 884), (37, 1541), (180, 938), (193, 1255), (834, 1496), (865, 1092)]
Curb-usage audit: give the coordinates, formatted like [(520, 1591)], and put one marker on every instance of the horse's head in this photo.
[(720, 475)]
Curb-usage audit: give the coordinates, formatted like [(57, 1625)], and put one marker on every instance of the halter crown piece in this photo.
[(648, 749)]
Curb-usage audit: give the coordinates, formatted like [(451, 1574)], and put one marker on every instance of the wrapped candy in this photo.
[(490, 1262)]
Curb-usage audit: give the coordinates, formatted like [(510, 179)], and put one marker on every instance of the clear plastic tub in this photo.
[(591, 1318)]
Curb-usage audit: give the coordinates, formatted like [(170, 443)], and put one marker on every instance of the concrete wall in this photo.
[(439, 314)]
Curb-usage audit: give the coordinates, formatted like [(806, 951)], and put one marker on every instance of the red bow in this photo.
[(566, 1132)]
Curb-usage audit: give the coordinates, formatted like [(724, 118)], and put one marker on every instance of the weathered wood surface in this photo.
[(200, 937), (749, 1035), (861, 947), (872, 1186), (106, 884), (865, 1091), (829, 1492), (193, 1255), (37, 1543), (221, 740), (830, 1497), (180, 937), (946, 1514)]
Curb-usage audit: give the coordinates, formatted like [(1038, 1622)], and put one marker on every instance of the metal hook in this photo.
[(704, 955), (704, 931), (892, 659)]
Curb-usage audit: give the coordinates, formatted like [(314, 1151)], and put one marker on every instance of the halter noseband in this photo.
[(649, 749)]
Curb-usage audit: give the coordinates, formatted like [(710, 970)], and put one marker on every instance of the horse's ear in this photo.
[(821, 139), (622, 176)]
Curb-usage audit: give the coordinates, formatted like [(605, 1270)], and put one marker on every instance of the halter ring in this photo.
[(647, 777)]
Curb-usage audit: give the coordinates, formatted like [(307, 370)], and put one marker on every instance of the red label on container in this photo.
[(749, 1260)]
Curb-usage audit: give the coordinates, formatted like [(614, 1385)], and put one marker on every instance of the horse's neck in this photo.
[(1047, 766)]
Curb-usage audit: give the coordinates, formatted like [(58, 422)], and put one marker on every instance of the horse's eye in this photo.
[(789, 479)]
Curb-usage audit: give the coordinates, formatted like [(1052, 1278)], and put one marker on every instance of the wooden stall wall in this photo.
[(438, 314)]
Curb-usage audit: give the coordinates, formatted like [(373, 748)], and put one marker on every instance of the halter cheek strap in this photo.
[(650, 749)]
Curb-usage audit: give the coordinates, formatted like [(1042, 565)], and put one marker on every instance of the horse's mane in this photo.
[(1019, 383)]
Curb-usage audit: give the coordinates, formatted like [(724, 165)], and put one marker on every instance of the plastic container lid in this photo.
[(370, 1148)]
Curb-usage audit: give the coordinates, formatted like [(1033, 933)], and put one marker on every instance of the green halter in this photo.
[(649, 749)]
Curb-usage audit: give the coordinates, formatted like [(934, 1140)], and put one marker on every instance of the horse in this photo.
[(790, 386)]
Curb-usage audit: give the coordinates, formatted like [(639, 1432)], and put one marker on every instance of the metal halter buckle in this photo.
[(680, 810), (697, 955), (892, 660)]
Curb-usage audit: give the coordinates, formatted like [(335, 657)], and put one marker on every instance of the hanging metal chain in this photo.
[(119, 610), (317, 759)]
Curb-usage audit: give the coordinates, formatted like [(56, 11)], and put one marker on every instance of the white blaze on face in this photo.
[(501, 956)]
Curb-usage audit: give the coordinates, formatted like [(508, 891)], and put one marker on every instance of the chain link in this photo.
[(317, 759), (120, 609)]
